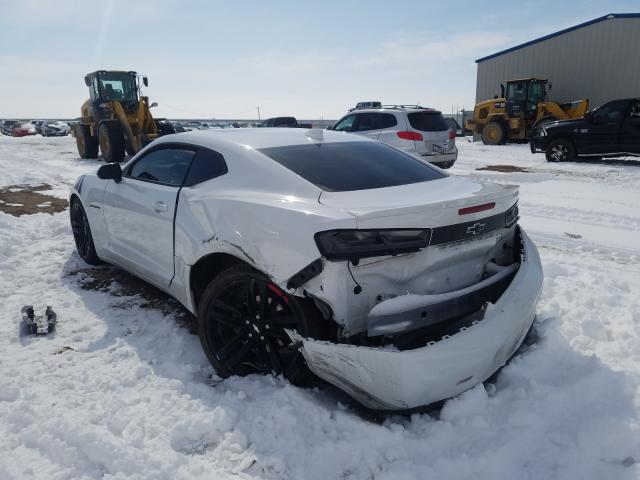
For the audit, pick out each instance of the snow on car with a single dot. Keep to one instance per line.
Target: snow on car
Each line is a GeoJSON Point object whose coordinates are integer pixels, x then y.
{"type": "Point", "coordinates": [396, 282]}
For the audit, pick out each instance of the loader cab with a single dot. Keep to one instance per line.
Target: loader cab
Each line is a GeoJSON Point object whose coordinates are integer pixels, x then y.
{"type": "Point", "coordinates": [106, 86]}
{"type": "Point", "coordinates": [522, 97]}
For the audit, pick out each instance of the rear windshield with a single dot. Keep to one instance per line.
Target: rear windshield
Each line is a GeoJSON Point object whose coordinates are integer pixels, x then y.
{"type": "Point", "coordinates": [348, 166]}
{"type": "Point", "coordinates": [284, 121]}
{"type": "Point", "coordinates": [428, 121]}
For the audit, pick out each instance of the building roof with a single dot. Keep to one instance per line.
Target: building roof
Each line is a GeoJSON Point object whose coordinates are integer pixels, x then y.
{"type": "Point", "coordinates": [561, 32]}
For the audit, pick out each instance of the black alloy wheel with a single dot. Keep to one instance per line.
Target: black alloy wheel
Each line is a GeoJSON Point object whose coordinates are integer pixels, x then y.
{"type": "Point", "coordinates": [82, 234]}
{"type": "Point", "coordinates": [242, 319]}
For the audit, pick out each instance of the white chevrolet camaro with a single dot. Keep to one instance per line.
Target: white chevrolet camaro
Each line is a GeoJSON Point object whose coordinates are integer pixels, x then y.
{"type": "Point", "coordinates": [317, 250]}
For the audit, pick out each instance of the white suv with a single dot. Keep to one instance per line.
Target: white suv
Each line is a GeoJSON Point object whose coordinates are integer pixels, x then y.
{"type": "Point", "coordinates": [422, 132]}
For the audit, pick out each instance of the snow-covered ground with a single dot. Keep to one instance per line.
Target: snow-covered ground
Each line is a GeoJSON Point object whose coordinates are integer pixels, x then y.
{"type": "Point", "coordinates": [122, 392]}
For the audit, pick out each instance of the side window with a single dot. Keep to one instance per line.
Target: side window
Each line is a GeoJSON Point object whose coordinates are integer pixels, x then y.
{"type": "Point", "coordinates": [366, 122]}
{"type": "Point", "coordinates": [611, 112]}
{"type": "Point", "coordinates": [164, 165]}
{"type": "Point", "coordinates": [206, 165]}
{"type": "Point", "coordinates": [387, 120]}
{"type": "Point", "coordinates": [635, 109]}
{"type": "Point", "coordinates": [346, 124]}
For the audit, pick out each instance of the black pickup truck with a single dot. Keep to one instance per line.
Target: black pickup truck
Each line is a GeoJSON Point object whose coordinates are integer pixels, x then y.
{"type": "Point", "coordinates": [611, 130]}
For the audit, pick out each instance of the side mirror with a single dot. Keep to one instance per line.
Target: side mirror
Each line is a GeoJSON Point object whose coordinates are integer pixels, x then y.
{"type": "Point", "coordinates": [110, 171]}
{"type": "Point", "coordinates": [145, 81]}
{"type": "Point", "coordinates": [502, 90]}
{"type": "Point", "coordinates": [87, 81]}
{"type": "Point", "coordinates": [154, 104]}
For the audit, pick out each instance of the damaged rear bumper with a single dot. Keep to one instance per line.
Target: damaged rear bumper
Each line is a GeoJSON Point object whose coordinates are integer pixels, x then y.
{"type": "Point", "coordinates": [390, 379]}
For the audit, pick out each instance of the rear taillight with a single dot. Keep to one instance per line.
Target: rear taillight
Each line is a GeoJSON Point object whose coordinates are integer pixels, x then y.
{"type": "Point", "coordinates": [452, 134]}
{"type": "Point", "coordinates": [357, 244]}
{"type": "Point", "coordinates": [406, 135]}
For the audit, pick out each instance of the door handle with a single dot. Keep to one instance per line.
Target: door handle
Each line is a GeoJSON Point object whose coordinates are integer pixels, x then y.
{"type": "Point", "coordinates": [160, 207]}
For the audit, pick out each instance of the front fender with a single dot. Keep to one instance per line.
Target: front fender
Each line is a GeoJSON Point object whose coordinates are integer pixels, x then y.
{"type": "Point", "coordinates": [89, 190]}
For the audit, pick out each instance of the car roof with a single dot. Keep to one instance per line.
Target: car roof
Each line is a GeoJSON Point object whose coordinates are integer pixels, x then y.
{"type": "Point", "coordinates": [257, 138]}
{"type": "Point", "coordinates": [393, 110]}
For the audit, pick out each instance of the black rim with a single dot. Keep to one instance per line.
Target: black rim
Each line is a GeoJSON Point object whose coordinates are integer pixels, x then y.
{"type": "Point", "coordinates": [245, 328]}
{"type": "Point", "coordinates": [81, 232]}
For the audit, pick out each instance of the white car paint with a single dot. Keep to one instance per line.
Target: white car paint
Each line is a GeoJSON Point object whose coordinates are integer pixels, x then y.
{"type": "Point", "coordinates": [266, 215]}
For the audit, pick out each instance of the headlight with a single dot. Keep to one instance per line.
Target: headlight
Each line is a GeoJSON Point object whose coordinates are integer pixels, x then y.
{"type": "Point", "coordinates": [355, 244]}
{"type": "Point", "coordinates": [542, 132]}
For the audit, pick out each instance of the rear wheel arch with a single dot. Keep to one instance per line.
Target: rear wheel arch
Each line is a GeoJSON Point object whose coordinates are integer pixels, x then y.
{"type": "Point", "coordinates": [206, 269]}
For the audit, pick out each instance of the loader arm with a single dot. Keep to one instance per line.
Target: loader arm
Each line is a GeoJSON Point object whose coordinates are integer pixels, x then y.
{"type": "Point", "coordinates": [134, 140]}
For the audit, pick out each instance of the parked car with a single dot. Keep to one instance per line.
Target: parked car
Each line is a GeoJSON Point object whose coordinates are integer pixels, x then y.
{"type": "Point", "coordinates": [286, 122]}
{"type": "Point", "coordinates": [422, 132]}
{"type": "Point", "coordinates": [611, 130]}
{"type": "Point", "coordinates": [22, 129]}
{"type": "Point", "coordinates": [365, 105]}
{"type": "Point", "coordinates": [48, 128]}
{"type": "Point", "coordinates": [295, 248]}
{"type": "Point", "coordinates": [6, 127]}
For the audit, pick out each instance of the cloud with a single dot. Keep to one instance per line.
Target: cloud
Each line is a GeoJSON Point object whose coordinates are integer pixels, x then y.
{"type": "Point", "coordinates": [426, 47]}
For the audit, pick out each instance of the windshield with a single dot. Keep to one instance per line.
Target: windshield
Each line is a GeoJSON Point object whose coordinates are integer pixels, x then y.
{"type": "Point", "coordinates": [348, 166]}
{"type": "Point", "coordinates": [118, 86]}
{"type": "Point", "coordinates": [428, 121]}
{"type": "Point", "coordinates": [516, 92]}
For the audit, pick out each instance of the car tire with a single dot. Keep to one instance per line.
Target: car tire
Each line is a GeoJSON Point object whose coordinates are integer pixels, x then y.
{"type": "Point", "coordinates": [86, 143]}
{"type": "Point", "coordinates": [241, 320]}
{"type": "Point", "coordinates": [493, 133]}
{"type": "Point", "coordinates": [82, 233]}
{"type": "Point", "coordinates": [111, 141]}
{"type": "Point", "coordinates": [560, 150]}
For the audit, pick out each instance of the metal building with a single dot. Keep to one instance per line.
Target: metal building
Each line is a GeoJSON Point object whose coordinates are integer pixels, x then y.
{"type": "Point", "coordinates": [598, 60]}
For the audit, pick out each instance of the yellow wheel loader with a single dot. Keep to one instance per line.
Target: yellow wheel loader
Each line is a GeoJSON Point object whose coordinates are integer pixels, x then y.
{"type": "Point", "coordinates": [116, 118]}
{"type": "Point", "coordinates": [522, 109]}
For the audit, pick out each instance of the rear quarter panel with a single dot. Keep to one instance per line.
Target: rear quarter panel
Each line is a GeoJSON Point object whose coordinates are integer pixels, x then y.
{"type": "Point", "coordinates": [273, 233]}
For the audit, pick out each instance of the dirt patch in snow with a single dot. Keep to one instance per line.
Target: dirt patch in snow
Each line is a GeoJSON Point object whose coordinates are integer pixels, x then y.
{"type": "Point", "coordinates": [504, 168]}
{"type": "Point", "coordinates": [18, 200]}
{"type": "Point", "coordinates": [133, 292]}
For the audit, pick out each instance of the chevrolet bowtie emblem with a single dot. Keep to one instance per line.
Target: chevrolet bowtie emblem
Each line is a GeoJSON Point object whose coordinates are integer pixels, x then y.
{"type": "Point", "coordinates": [476, 228]}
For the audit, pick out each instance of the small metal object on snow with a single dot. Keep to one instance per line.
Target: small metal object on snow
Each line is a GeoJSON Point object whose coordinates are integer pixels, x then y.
{"type": "Point", "coordinates": [38, 324]}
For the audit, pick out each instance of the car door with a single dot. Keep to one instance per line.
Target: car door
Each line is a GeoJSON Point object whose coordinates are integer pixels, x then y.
{"type": "Point", "coordinates": [367, 125]}
{"type": "Point", "coordinates": [139, 212]}
{"type": "Point", "coordinates": [630, 133]}
{"type": "Point", "coordinates": [603, 134]}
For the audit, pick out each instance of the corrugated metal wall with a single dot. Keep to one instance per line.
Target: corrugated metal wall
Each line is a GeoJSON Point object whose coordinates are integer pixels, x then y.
{"type": "Point", "coordinates": [600, 62]}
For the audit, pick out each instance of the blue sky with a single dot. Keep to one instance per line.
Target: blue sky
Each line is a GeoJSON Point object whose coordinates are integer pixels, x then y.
{"type": "Point", "coordinates": [209, 59]}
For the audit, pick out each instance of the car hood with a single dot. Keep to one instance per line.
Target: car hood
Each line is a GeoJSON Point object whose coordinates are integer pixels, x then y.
{"type": "Point", "coordinates": [573, 123]}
